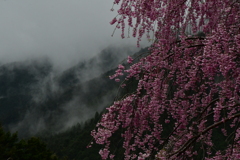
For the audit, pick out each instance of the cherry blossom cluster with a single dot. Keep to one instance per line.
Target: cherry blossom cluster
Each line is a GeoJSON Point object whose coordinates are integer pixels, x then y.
{"type": "Point", "coordinates": [187, 83]}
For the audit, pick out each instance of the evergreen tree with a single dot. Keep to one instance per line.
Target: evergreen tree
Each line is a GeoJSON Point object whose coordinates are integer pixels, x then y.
{"type": "Point", "coordinates": [31, 149]}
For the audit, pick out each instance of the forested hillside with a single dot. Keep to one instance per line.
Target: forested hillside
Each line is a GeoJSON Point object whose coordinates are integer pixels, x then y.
{"type": "Point", "coordinates": [11, 148]}
{"type": "Point", "coordinates": [60, 108]}
{"type": "Point", "coordinates": [35, 98]}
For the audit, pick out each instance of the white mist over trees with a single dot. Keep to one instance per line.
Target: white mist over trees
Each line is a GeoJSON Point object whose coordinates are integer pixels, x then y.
{"type": "Point", "coordinates": [36, 98]}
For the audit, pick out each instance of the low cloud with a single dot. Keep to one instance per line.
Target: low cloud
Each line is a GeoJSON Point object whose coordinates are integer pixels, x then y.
{"type": "Point", "coordinates": [65, 31]}
{"type": "Point", "coordinates": [62, 99]}
{"type": "Point", "coordinates": [63, 34]}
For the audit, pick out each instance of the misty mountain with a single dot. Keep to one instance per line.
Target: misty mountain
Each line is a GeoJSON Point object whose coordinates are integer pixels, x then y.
{"type": "Point", "coordinates": [36, 99]}
{"type": "Point", "coordinates": [16, 80]}
{"type": "Point", "coordinates": [106, 60]}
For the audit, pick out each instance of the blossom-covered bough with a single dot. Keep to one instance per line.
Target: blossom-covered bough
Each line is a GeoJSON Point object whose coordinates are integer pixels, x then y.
{"type": "Point", "coordinates": [187, 101]}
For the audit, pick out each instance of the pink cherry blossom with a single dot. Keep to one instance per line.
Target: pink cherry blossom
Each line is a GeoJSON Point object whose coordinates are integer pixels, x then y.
{"type": "Point", "coordinates": [188, 85]}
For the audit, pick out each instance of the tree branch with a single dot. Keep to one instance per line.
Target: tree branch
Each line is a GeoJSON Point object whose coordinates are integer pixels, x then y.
{"type": "Point", "coordinates": [191, 140]}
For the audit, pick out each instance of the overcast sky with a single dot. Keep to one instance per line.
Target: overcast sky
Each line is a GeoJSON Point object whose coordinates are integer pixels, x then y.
{"type": "Point", "coordinates": [65, 30]}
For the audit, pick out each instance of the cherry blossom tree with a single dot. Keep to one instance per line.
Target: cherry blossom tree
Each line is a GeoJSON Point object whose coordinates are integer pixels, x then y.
{"type": "Point", "coordinates": [188, 91]}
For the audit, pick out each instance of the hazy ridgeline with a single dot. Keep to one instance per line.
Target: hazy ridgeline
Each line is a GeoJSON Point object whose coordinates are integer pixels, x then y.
{"type": "Point", "coordinates": [36, 97]}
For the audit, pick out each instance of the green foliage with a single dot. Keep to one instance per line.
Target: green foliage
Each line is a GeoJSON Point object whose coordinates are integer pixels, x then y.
{"type": "Point", "coordinates": [31, 149]}
{"type": "Point", "coordinates": [72, 144]}
{"type": "Point", "coordinates": [7, 144]}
